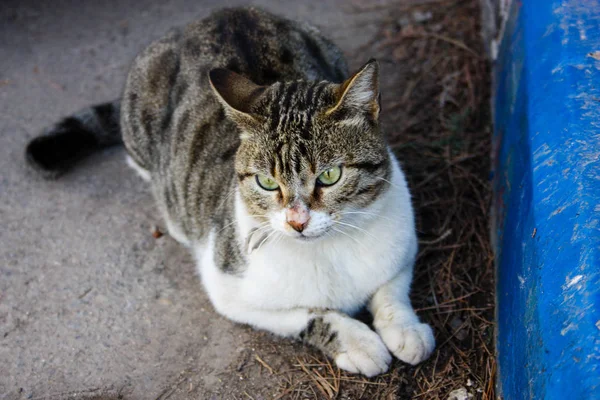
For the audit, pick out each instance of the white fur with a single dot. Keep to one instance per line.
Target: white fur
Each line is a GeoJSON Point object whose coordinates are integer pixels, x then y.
{"type": "Point", "coordinates": [339, 272]}
{"type": "Point", "coordinates": [176, 232]}
{"type": "Point", "coordinates": [144, 173]}
{"type": "Point", "coordinates": [361, 91]}
{"type": "Point", "coordinates": [319, 223]}
{"type": "Point", "coordinates": [362, 350]}
{"type": "Point", "coordinates": [287, 277]}
{"type": "Point", "coordinates": [394, 319]}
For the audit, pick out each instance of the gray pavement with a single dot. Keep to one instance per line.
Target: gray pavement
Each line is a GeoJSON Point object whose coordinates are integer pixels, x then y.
{"type": "Point", "coordinates": [91, 304]}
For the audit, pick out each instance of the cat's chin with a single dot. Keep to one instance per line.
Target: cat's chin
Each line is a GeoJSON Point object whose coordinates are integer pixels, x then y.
{"type": "Point", "coordinates": [309, 239]}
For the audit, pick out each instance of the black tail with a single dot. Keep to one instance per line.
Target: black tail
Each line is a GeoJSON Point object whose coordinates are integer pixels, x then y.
{"type": "Point", "coordinates": [74, 138]}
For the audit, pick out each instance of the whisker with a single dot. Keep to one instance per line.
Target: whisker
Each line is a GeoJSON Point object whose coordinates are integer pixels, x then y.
{"type": "Point", "coordinates": [232, 191]}
{"type": "Point", "coordinates": [253, 231]}
{"type": "Point", "coordinates": [250, 215]}
{"type": "Point", "coordinates": [265, 239]}
{"type": "Point", "coordinates": [356, 227]}
{"type": "Point", "coordinates": [259, 227]}
{"type": "Point", "coordinates": [279, 237]}
{"type": "Point", "coordinates": [385, 180]}
{"type": "Point", "coordinates": [366, 213]}
{"type": "Point", "coordinates": [351, 237]}
{"type": "Point", "coordinates": [229, 224]}
{"type": "Point", "coordinates": [263, 223]}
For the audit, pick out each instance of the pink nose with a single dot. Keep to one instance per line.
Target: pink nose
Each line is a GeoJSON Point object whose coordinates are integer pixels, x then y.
{"type": "Point", "coordinates": [297, 216]}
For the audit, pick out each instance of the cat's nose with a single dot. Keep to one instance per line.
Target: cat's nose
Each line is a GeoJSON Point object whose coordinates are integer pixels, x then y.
{"type": "Point", "coordinates": [297, 226]}
{"type": "Point", "coordinates": [297, 216]}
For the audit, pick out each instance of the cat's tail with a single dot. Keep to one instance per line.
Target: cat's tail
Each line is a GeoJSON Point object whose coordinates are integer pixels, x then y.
{"type": "Point", "coordinates": [75, 137]}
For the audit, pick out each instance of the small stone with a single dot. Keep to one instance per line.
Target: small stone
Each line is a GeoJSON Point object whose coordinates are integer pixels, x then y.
{"type": "Point", "coordinates": [403, 21]}
{"type": "Point", "coordinates": [419, 16]}
{"type": "Point", "coordinates": [457, 326]}
{"type": "Point", "coordinates": [460, 394]}
{"type": "Point", "coordinates": [165, 301]}
{"type": "Point", "coordinates": [156, 233]}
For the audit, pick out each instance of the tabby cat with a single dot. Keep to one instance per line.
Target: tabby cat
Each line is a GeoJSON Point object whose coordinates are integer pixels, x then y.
{"type": "Point", "coordinates": [273, 170]}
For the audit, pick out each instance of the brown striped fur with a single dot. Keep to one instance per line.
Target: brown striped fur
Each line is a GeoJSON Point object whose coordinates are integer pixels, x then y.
{"type": "Point", "coordinates": [278, 106]}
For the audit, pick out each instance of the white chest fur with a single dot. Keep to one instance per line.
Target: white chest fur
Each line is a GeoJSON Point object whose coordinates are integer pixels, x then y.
{"type": "Point", "coordinates": [338, 272]}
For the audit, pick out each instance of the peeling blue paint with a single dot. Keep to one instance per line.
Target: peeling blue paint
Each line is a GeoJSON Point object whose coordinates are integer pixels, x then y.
{"type": "Point", "coordinates": [547, 200]}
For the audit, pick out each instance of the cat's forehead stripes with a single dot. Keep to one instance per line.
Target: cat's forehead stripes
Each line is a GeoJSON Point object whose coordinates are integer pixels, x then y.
{"type": "Point", "coordinates": [291, 162]}
{"type": "Point", "coordinates": [289, 110]}
{"type": "Point", "coordinates": [292, 106]}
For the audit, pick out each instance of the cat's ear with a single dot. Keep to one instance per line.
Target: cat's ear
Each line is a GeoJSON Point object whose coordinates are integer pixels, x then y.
{"type": "Point", "coordinates": [360, 92]}
{"type": "Point", "coordinates": [236, 93]}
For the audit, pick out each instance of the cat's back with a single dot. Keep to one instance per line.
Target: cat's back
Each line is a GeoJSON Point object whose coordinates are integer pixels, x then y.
{"type": "Point", "coordinates": [250, 41]}
{"type": "Point", "coordinates": [263, 46]}
{"type": "Point", "coordinates": [168, 86]}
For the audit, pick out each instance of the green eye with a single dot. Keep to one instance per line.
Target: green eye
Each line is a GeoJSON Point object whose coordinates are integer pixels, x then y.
{"type": "Point", "coordinates": [266, 183]}
{"type": "Point", "coordinates": [330, 177]}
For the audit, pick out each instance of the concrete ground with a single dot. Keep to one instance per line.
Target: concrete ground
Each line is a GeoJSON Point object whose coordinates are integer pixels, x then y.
{"type": "Point", "coordinates": [91, 304]}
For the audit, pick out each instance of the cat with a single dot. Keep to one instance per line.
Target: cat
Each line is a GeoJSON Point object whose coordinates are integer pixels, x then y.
{"type": "Point", "coordinates": [271, 167]}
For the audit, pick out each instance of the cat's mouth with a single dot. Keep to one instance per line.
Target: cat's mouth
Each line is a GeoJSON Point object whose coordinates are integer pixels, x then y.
{"type": "Point", "coordinates": [305, 238]}
{"type": "Point", "coordinates": [309, 238]}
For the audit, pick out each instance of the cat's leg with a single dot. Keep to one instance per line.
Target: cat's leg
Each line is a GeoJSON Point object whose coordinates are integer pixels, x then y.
{"type": "Point", "coordinates": [350, 343]}
{"type": "Point", "coordinates": [142, 172]}
{"type": "Point", "coordinates": [396, 322]}
{"type": "Point", "coordinates": [176, 232]}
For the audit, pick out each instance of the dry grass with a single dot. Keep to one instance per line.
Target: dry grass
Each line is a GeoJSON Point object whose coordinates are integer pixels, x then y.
{"type": "Point", "coordinates": [435, 87]}
{"type": "Point", "coordinates": [436, 114]}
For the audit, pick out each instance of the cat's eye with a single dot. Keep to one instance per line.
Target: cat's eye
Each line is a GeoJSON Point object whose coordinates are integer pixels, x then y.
{"type": "Point", "coordinates": [330, 177]}
{"type": "Point", "coordinates": [266, 182]}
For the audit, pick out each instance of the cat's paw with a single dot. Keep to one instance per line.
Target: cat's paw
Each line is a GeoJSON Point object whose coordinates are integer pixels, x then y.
{"type": "Point", "coordinates": [411, 343]}
{"type": "Point", "coordinates": [361, 351]}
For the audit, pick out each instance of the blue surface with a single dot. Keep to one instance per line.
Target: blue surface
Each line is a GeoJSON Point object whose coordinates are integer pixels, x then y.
{"type": "Point", "coordinates": [547, 200]}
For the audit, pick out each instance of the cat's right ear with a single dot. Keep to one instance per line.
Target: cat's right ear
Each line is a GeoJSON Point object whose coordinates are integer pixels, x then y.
{"type": "Point", "coordinates": [360, 93]}
{"type": "Point", "coordinates": [236, 93]}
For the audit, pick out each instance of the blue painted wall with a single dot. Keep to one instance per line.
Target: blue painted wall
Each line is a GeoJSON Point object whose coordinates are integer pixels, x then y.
{"type": "Point", "coordinates": [547, 200]}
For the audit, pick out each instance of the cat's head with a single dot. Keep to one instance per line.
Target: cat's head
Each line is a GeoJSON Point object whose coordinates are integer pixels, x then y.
{"type": "Point", "coordinates": [312, 157]}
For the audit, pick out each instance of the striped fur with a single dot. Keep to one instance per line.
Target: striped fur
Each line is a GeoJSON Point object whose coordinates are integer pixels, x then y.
{"type": "Point", "coordinates": [242, 93]}
{"type": "Point", "coordinates": [73, 138]}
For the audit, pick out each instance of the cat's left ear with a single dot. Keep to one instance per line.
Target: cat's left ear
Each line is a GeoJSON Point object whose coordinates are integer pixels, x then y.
{"type": "Point", "coordinates": [236, 93]}
{"type": "Point", "coordinates": [360, 93]}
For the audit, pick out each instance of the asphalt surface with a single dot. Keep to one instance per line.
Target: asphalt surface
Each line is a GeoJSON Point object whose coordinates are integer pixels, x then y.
{"type": "Point", "coordinates": [91, 304]}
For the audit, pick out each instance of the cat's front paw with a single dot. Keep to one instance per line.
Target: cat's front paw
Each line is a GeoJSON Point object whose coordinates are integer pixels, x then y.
{"type": "Point", "coordinates": [361, 351]}
{"type": "Point", "coordinates": [411, 343]}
